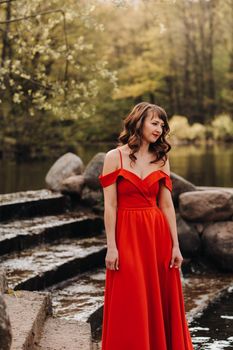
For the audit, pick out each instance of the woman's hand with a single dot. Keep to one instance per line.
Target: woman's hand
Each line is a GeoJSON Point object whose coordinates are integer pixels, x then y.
{"type": "Point", "coordinates": [112, 259]}
{"type": "Point", "coordinates": [177, 258]}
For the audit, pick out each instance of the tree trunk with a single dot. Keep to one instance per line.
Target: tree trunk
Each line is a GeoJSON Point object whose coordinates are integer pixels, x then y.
{"type": "Point", "coordinates": [172, 78]}
{"type": "Point", "coordinates": [6, 47]}
{"type": "Point", "coordinates": [209, 59]}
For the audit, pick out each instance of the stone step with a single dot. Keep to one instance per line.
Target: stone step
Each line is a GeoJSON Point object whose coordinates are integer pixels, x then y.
{"type": "Point", "coordinates": [32, 203]}
{"type": "Point", "coordinates": [36, 269]}
{"type": "Point", "coordinates": [60, 334]}
{"type": "Point", "coordinates": [27, 312]}
{"type": "Point", "coordinates": [22, 234]}
{"type": "Point", "coordinates": [80, 297]}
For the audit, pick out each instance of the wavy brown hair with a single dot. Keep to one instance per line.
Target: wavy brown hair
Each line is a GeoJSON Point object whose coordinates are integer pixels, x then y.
{"type": "Point", "coordinates": [132, 132]}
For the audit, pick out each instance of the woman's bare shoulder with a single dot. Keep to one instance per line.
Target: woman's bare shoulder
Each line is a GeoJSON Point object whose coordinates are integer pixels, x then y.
{"type": "Point", "coordinates": [111, 160]}
{"type": "Point", "coordinates": [166, 167]}
{"type": "Point", "coordinates": [112, 154]}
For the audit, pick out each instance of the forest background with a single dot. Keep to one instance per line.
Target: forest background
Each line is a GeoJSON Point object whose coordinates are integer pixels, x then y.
{"type": "Point", "coordinates": [70, 71]}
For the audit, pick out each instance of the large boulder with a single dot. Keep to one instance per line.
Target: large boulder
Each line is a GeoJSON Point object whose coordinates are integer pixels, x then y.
{"type": "Point", "coordinates": [218, 243]}
{"type": "Point", "coordinates": [67, 165]}
{"type": "Point", "coordinates": [180, 185]}
{"type": "Point", "coordinates": [93, 170]}
{"type": "Point", "coordinates": [209, 205]}
{"type": "Point", "coordinates": [189, 239]}
{"type": "Point", "coordinates": [92, 197]}
{"type": "Point", "coordinates": [5, 326]}
{"type": "Point", "coordinates": [73, 184]}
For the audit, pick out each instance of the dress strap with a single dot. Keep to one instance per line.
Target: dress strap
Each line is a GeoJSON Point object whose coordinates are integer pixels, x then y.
{"type": "Point", "coordinates": [121, 158]}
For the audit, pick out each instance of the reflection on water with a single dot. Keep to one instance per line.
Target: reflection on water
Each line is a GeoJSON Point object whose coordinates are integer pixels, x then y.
{"type": "Point", "coordinates": [203, 165]}
{"type": "Point", "coordinates": [214, 329]}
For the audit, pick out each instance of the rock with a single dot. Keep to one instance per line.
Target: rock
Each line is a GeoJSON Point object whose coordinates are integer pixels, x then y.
{"type": "Point", "coordinates": [91, 197]}
{"type": "Point", "coordinates": [93, 170]}
{"type": "Point", "coordinates": [210, 205]}
{"type": "Point", "coordinates": [218, 243]}
{"type": "Point", "coordinates": [3, 281]}
{"type": "Point", "coordinates": [67, 165]}
{"type": "Point", "coordinates": [73, 184]}
{"type": "Point", "coordinates": [180, 185]}
{"type": "Point", "coordinates": [199, 227]}
{"type": "Point", "coordinates": [189, 240]}
{"type": "Point", "coordinates": [5, 326]}
{"type": "Point", "coordinates": [27, 311]}
{"type": "Point", "coordinates": [204, 188]}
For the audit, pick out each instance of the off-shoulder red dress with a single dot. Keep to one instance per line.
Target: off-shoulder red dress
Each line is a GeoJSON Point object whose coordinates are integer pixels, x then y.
{"type": "Point", "coordinates": [143, 301]}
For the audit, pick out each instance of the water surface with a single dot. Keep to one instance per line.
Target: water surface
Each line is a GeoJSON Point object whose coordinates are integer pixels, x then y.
{"type": "Point", "coordinates": [203, 165]}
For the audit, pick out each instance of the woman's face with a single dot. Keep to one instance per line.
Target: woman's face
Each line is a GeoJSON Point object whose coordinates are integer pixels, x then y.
{"type": "Point", "coordinates": [152, 127]}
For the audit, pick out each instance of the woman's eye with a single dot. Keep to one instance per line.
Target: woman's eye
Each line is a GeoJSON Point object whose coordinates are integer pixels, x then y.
{"type": "Point", "coordinates": [157, 124]}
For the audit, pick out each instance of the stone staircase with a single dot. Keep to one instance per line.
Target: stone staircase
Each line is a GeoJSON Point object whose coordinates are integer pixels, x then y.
{"type": "Point", "coordinates": [53, 254]}
{"type": "Point", "coordinates": [44, 242]}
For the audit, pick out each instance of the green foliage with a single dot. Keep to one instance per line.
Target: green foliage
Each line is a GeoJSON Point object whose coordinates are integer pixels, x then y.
{"type": "Point", "coordinates": [73, 72]}
{"type": "Point", "coordinates": [222, 127]}
{"type": "Point", "coordinates": [181, 130]}
{"type": "Point", "coordinates": [197, 132]}
{"type": "Point", "coordinates": [46, 73]}
{"type": "Point", "coordinates": [179, 127]}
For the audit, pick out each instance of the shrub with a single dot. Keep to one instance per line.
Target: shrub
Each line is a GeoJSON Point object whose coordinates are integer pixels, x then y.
{"type": "Point", "coordinates": [179, 127]}
{"type": "Point", "coordinates": [222, 128]}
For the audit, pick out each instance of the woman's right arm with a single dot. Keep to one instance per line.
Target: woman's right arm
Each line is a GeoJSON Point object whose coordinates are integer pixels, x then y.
{"type": "Point", "coordinates": [110, 210]}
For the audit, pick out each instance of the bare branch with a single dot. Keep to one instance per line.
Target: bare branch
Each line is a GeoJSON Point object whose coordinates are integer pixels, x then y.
{"type": "Point", "coordinates": [6, 1]}
{"type": "Point", "coordinates": [33, 81]}
{"type": "Point", "coordinates": [33, 16]}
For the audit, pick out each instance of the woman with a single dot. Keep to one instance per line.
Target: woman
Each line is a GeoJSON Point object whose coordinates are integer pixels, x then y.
{"type": "Point", "coordinates": [143, 303]}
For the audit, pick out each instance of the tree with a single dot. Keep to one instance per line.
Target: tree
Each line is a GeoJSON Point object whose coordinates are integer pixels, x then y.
{"type": "Point", "coordinates": [50, 67]}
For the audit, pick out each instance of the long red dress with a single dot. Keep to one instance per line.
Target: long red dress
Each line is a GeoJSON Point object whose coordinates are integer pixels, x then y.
{"type": "Point", "coordinates": [143, 301]}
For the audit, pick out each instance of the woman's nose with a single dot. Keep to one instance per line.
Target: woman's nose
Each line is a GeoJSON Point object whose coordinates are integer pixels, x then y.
{"type": "Point", "coordinates": [159, 129]}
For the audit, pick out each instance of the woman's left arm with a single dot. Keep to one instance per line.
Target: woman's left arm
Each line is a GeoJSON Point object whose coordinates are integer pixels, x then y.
{"type": "Point", "coordinates": [165, 203]}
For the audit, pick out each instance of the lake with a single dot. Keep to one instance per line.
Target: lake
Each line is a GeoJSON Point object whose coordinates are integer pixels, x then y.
{"type": "Point", "coordinates": [204, 165]}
